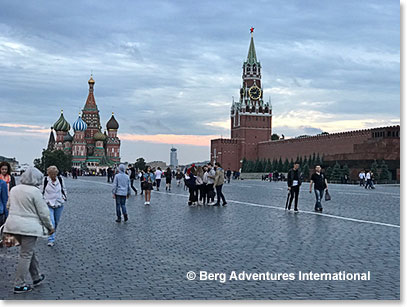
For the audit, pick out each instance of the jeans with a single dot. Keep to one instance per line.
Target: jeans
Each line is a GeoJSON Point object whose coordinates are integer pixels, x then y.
{"type": "Point", "coordinates": [295, 190]}
{"type": "Point", "coordinates": [220, 194]}
{"type": "Point", "coordinates": [318, 196]}
{"type": "Point", "coordinates": [27, 261]}
{"type": "Point", "coordinates": [120, 203]}
{"type": "Point", "coordinates": [158, 181]}
{"type": "Point", "coordinates": [55, 215]}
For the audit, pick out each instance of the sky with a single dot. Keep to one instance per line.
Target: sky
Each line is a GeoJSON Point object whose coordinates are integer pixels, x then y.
{"type": "Point", "coordinates": [169, 69]}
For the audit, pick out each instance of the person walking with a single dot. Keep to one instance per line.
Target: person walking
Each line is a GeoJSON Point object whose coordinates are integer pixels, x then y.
{"type": "Point", "coordinates": [320, 183]}
{"type": "Point", "coordinates": [109, 175]}
{"type": "Point", "coordinates": [368, 177]}
{"type": "Point", "coordinates": [219, 181]}
{"type": "Point", "coordinates": [5, 175]}
{"type": "Point", "coordinates": [28, 219]}
{"type": "Point", "coordinates": [168, 178]}
{"type": "Point", "coordinates": [54, 193]}
{"type": "Point", "coordinates": [132, 177]}
{"type": "Point", "coordinates": [121, 191]}
{"type": "Point", "coordinates": [148, 179]}
{"type": "Point", "coordinates": [158, 174]}
{"type": "Point", "coordinates": [141, 178]}
{"type": "Point", "coordinates": [294, 179]}
{"type": "Point", "coordinates": [3, 202]}
{"type": "Point", "coordinates": [228, 174]}
{"type": "Point", "coordinates": [179, 176]}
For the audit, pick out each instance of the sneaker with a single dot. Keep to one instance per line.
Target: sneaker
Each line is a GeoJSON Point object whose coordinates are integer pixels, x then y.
{"type": "Point", "coordinates": [145, 203]}
{"type": "Point", "coordinates": [148, 203]}
{"type": "Point", "coordinates": [126, 218]}
{"type": "Point", "coordinates": [38, 281]}
{"type": "Point", "coordinates": [51, 244]}
{"type": "Point", "coordinates": [22, 289]}
{"type": "Point", "coordinates": [224, 204]}
{"type": "Point", "coordinates": [296, 210]}
{"type": "Point", "coordinates": [118, 220]}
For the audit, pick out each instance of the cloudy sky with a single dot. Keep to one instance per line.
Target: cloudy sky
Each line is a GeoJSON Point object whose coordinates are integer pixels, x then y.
{"type": "Point", "coordinates": [169, 69]}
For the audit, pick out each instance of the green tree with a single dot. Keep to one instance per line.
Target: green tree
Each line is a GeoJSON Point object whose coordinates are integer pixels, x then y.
{"type": "Point", "coordinates": [274, 165]}
{"type": "Point", "coordinates": [305, 171]}
{"type": "Point", "coordinates": [345, 170]}
{"type": "Point", "coordinates": [291, 165]}
{"type": "Point", "coordinates": [140, 164]}
{"type": "Point", "coordinates": [275, 137]}
{"type": "Point", "coordinates": [280, 165]}
{"type": "Point", "coordinates": [328, 173]}
{"type": "Point", "coordinates": [58, 158]}
{"type": "Point", "coordinates": [336, 172]}
{"type": "Point", "coordinates": [244, 165]}
{"type": "Point", "coordinates": [374, 167]}
{"type": "Point", "coordinates": [286, 165]}
{"type": "Point", "coordinates": [305, 162]}
{"type": "Point", "coordinates": [313, 160]}
{"type": "Point", "coordinates": [317, 160]}
{"type": "Point", "coordinates": [385, 174]}
{"type": "Point", "coordinates": [268, 167]}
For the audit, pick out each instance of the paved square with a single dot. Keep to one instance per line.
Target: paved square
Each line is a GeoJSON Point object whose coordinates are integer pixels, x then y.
{"type": "Point", "coordinates": [149, 256]}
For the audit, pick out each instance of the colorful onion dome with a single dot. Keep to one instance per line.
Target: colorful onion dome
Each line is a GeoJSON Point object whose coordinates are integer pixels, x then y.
{"type": "Point", "coordinates": [99, 136]}
{"type": "Point", "coordinates": [68, 137]}
{"type": "Point", "coordinates": [61, 124]}
{"type": "Point", "coordinates": [79, 124]}
{"type": "Point", "coordinates": [112, 124]}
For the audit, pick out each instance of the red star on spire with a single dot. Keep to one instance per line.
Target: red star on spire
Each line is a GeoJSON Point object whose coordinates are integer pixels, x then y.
{"type": "Point", "coordinates": [251, 30]}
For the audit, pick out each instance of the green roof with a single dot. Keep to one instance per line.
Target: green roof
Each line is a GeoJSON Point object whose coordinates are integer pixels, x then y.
{"type": "Point", "coordinates": [251, 56]}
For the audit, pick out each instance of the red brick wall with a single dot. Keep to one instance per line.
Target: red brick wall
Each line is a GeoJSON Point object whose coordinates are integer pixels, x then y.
{"type": "Point", "coordinates": [227, 153]}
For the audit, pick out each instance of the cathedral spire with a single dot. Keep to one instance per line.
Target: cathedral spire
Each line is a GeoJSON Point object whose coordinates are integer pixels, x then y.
{"type": "Point", "coordinates": [251, 56]}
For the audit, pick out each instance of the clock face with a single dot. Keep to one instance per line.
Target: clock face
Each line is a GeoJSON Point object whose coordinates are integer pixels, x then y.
{"type": "Point", "coordinates": [254, 92]}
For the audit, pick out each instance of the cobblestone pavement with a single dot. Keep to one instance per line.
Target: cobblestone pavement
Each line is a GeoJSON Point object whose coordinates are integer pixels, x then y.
{"type": "Point", "coordinates": [149, 256]}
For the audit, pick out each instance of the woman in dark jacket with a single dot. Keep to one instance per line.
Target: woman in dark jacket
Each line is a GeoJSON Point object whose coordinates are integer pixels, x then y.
{"type": "Point", "coordinates": [5, 175]}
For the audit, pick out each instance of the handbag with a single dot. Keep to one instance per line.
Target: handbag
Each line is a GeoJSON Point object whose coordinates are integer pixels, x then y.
{"type": "Point", "coordinates": [7, 239]}
{"type": "Point", "coordinates": [327, 196]}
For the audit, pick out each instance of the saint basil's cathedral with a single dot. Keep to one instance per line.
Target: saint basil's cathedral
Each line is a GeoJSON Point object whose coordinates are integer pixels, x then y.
{"type": "Point", "coordinates": [89, 147]}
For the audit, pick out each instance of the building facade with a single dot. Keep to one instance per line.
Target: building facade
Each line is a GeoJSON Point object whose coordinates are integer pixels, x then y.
{"type": "Point", "coordinates": [251, 130]}
{"type": "Point", "coordinates": [90, 148]}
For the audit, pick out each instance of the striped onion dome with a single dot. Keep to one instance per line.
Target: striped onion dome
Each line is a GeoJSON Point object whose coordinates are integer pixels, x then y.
{"type": "Point", "coordinates": [61, 124]}
{"type": "Point", "coordinates": [99, 136]}
{"type": "Point", "coordinates": [79, 124]}
{"type": "Point", "coordinates": [68, 137]}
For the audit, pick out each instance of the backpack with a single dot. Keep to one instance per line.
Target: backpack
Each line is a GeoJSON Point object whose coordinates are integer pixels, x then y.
{"type": "Point", "coordinates": [60, 182]}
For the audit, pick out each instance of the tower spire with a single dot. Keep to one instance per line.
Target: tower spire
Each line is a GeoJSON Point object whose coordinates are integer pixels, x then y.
{"type": "Point", "coordinates": [251, 56]}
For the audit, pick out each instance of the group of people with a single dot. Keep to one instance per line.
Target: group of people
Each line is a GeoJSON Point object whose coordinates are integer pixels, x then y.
{"type": "Point", "coordinates": [366, 179]}
{"type": "Point", "coordinates": [273, 176]}
{"type": "Point", "coordinates": [202, 181]}
{"type": "Point", "coordinates": [30, 210]}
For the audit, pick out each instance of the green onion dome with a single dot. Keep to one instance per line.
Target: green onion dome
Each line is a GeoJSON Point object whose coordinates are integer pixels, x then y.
{"type": "Point", "coordinates": [61, 124]}
{"type": "Point", "coordinates": [99, 136]}
{"type": "Point", "coordinates": [68, 137]}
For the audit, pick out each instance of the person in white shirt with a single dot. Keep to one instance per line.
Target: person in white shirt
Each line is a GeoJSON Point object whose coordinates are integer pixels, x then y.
{"type": "Point", "coordinates": [158, 174]}
{"type": "Point", "coordinates": [361, 178]}
{"type": "Point", "coordinates": [54, 193]}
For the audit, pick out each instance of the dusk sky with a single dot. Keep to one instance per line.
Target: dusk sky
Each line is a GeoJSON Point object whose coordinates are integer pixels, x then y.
{"type": "Point", "coordinates": [169, 69]}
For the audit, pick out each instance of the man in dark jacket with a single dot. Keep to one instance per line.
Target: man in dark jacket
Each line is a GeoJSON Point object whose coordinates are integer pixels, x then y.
{"type": "Point", "coordinates": [132, 177]}
{"type": "Point", "coordinates": [294, 180]}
